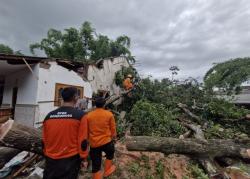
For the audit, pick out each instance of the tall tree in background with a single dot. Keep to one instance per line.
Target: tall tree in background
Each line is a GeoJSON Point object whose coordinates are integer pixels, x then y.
{"type": "Point", "coordinates": [82, 44]}
{"type": "Point", "coordinates": [7, 50]}
{"type": "Point", "coordinates": [174, 70]}
{"type": "Point", "coordinates": [87, 39]}
{"type": "Point", "coordinates": [120, 46]}
{"type": "Point", "coordinates": [101, 48]}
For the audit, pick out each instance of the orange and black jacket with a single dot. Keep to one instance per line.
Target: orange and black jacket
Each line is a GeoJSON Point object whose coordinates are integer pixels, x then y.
{"type": "Point", "coordinates": [127, 84]}
{"type": "Point", "coordinates": [101, 126]}
{"type": "Point", "coordinates": [65, 133]}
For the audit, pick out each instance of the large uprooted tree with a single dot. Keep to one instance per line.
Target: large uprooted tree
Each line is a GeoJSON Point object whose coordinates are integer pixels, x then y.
{"type": "Point", "coordinates": [188, 109]}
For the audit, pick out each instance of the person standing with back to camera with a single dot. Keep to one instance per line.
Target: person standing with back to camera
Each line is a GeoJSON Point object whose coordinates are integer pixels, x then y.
{"type": "Point", "coordinates": [65, 139]}
{"type": "Point", "coordinates": [102, 134]}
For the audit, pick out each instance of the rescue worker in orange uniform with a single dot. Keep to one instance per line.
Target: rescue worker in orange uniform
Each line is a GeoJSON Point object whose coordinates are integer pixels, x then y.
{"type": "Point", "coordinates": [65, 139]}
{"type": "Point", "coordinates": [102, 133]}
{"type": "Point", "coordinates": [127, 83]}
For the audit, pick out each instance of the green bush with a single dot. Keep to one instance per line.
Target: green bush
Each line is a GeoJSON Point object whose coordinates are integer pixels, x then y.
{"type": "Point", "coordinates": [217, 131]}
{"type": "Point", "coordinates": [154, 120]}
{"type": "Point", "coordinates": [220, 108]}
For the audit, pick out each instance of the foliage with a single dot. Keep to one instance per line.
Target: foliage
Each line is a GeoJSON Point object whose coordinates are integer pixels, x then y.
{"type": "Point", "coordinates": [7, 50]}
{"type": "Point", "coordinates": [153, 111]}
{"type": "Point", "coordinates": [134, 168]}
{"type": "Point", "coordinates": [154, 120]}
{"type": "Point", "coordinates": [169, 93]}
{"type": "Point", "coordinates": [220, 108]}
{"type": "Point", "coordinates": [121, 74]}
{"type": "Point", "coordinates": [244, 168]}
{"type": "Point", "coordinates": [228, 75]}
{"type": "Point", "coordinates": [217, 131]}
{"type": "Point", "coordinates": [160, 169]}
{"type": "Point", "coordinates": [82, 44]}
{"type": "Point", "coordinates": [197, 172]}
{"type": "Point", "coordinates": [148, 168]}
{"type": "Point", "coordinates": [121, 126]}
{"type": "Point", "coordinates": [153, 100]}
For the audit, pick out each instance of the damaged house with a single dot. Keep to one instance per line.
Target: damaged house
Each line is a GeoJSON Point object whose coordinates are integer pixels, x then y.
{"type": "Point", "coordinates": [30, 86]}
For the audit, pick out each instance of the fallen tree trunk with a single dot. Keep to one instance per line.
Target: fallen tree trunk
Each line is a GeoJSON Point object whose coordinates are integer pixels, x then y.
{"type": "Point", "coordinates": [29, 139]}
{"type": "Point", "coordinates": [210, 165]}
{"type": "Point", "coordinates": [193, 147]}
{"type": "Point", "coordinates": [6, 153]}
{"type": "Point", "coordinates": [20, 137]}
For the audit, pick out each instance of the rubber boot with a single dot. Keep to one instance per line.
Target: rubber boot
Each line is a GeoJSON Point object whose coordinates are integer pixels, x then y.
{"type": "Point", "coordinates": [97, 175]}
{"type": "Point", "coordinates": [109, 168]}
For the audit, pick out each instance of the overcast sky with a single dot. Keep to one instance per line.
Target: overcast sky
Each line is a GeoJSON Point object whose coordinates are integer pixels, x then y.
{"type": "Point", "coordinates": [192, 34]}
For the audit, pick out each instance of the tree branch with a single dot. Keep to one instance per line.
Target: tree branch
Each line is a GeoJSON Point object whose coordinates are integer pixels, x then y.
{"type": "Point", "coordinates": [189, 113]}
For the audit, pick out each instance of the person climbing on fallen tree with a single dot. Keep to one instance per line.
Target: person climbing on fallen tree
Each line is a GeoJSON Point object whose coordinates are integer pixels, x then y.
{"type": "Point", "coordinates": [127, 83]}
{"type": "Point", "coordinates": [102, 135]}
{"type": "Point", "coordinates": [65, 139]}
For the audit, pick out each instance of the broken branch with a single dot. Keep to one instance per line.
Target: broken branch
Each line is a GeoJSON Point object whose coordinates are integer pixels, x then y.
{"type": "Point", "coordinates": [189, 113]}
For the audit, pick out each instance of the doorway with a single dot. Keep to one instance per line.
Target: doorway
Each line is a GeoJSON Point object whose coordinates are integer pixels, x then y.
{"type": "Point", "coordinates": [14, 99]}
{"type": "Point", "coordinates": [1, 91]}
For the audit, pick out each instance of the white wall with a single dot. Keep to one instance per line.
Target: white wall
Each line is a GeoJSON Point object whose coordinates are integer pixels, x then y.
{"type": "Point", "coordinates": [46, 86]}
{"type": "Point", "coordinates": [32, 93]}
{"type": "Point", "coordinates": [27, 86]}
{"type": "Point", "coordinates": [104, 78]}
{"type": "Point", "coordinates": [26, 114]}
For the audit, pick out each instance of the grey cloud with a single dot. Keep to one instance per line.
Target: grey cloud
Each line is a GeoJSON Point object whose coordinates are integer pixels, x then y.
{"type": "Point", "coordinates": [189, 33]}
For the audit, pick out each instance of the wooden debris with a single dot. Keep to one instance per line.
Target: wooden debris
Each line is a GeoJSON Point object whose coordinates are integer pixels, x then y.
{"type": "Point", "coordinates": [189, 113]}
{"type": "Point", "coordinates": [25, 165]}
